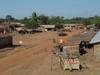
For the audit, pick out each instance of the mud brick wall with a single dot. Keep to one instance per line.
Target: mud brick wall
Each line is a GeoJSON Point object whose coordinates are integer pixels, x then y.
{"type": "Point", "coordinates": [6, 41]}
{"type": "Point", "coordinates": [97, 52]}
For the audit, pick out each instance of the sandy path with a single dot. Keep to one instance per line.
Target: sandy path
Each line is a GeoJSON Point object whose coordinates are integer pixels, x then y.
{"type": "Point", "coordinates": [27, 57]}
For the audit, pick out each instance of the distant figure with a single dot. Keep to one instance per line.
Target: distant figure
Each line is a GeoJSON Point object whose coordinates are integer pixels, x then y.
{"type": "Point", "coordinates": [61, 41]}
{"type": "Point", "coordinates": [20, 42]}
{"type": "Point", "coordinates": [61, 45]}
{"type": "Point", "coordinates": [61, 48]}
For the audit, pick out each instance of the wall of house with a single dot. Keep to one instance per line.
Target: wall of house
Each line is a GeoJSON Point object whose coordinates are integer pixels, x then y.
{"type": "Point", "coordinates": [6, 41]}
{"type": "Point", "coordinates": [72, 49]}
{"type": "Point", "coordinates": [97, 52]}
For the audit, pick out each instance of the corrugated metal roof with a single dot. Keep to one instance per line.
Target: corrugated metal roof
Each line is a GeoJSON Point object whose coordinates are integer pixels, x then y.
{"type": "Point", "coordinates": [96, 38]}
{"type": "Point", "coordinates": [48, 26]}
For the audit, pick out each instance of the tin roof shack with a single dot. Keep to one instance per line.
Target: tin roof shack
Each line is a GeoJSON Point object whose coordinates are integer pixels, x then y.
{"type": "Point", "coordinates": [16, 26]}
{"type": "Point", "coordinates": [68, 56]}
{"type": "Point", "coordinates": [91, 27]}
{"type": "Point", "coordinates": [96, 42]}
{"type": "Point", "coordinates": [73, 26]}
{"type": "Point", "coordinates": [5, 39]}
{"type": "Point", "coordinates": [47, 27]}
{"type": "Point", "coordinates": [72, 47]}
{"type": "Point", "coordinates": [73, 42]}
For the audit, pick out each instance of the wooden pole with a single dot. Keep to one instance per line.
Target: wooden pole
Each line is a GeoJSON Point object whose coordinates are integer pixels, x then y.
{"type": "Point", "coordinates": [51, 61]}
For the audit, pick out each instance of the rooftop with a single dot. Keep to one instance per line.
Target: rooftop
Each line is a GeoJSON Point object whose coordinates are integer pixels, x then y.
{"type": "Point", "coordinates": [77, 38]}
{"type": "Point", "coordinates": [48, 26]}
{"type": "Point", "coordinates": [96, 38]}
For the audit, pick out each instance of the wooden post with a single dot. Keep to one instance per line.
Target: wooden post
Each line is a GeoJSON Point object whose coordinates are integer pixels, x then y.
{"type": "Point", "coordinates": [51, 61]}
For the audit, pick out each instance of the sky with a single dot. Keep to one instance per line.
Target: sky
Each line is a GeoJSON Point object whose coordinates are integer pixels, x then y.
{"type": "Point", "coordinates": [66, 8]}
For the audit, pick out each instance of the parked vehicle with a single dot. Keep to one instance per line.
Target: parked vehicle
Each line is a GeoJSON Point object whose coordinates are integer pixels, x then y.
{"type": "Point", "coordinates": [62, 34]}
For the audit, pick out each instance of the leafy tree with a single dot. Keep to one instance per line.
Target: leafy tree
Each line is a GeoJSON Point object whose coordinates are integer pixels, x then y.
{"type": "Point", "coordinates": [31, 22]}
{"type": "Point", "coordinates": [57, 20]}
{"type": "Point", "coordinates": [2, 20]}
{"type": "Point", "coordinates": [97, 25]}
{"type": "Point", "coordinates": [34, 20]}
{"type": "Point", "coordinates": [43, 20]}
{"type": "Point", "coordinates": [9, 18]}
{"type": "Point", "coordinates": [86, 22]}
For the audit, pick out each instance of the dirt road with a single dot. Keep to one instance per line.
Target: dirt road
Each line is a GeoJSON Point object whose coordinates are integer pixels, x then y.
{"type": "Point", "coordinates": [30, 59]}
{"type": "Point", "coordinates": [35, 58]}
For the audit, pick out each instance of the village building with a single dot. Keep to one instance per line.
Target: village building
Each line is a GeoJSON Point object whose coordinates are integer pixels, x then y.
{"type": "Point", "coordinates": [14, 26]}
{"type": "Point", "coordinates": [73, 26]}
{"type": "Point", "coordinates": [96, 43]}
{"type": "Point", "coordinates": [72, 43]}
{"type": "Point", "coordinates": [47, 27]}
{"type": "Point", "coordinates": [5, 39]}
{"type": "Point", "coordinates": [17, 26]}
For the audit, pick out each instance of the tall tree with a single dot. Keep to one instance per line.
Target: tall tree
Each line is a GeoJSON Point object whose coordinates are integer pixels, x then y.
{"type": "Point", "coordinates": [31, 22]}
{"type": "Point", "coordinates": [9, 18]}
{"type": "Point", "coordinates": [34, 20]}
{"type": "Point", "coordinates": [2, 20]}
{"type": "Point", "coordinates": [86, 22]}
{"type": "Point", "coordinates": [43, 20]}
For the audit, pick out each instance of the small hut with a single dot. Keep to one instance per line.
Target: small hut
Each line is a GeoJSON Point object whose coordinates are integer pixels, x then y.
{"type": "Point", "coordinates": [47, 27]}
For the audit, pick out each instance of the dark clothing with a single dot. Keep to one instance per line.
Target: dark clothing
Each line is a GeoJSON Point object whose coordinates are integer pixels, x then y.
{"type": "Point", "coordinates": [81, 47]}
{"type": "Point", "coordinates": [82, 51]}
{"type": "Point", "coordinates": [61, 48]}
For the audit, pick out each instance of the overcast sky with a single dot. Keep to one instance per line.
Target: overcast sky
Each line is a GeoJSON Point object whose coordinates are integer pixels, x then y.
{"type": "Point", "coordinates": [66, 8]}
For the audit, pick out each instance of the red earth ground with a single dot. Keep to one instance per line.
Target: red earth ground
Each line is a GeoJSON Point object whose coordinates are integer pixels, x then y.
{"type": "Point", "coordinates": [34, 58]}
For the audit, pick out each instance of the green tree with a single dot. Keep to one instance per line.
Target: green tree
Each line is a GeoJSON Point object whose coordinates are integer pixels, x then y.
{"type": "Point", "coordinates": [34, 20]}
{"type": "Point", "coordinates": [57, 20]}
{"type": "Point", "coordinates": [43, 20]}
{"type": "Point", "coordinates": [97, 25]}
{"type": "Point", "coordinates": [2, 20]}
{"type": "Point", "coordinates": [9, 18]}
{"type": "Point", "coordinates": [86, 22]}
{"type": "Point", "coordinates": [31, 22]}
